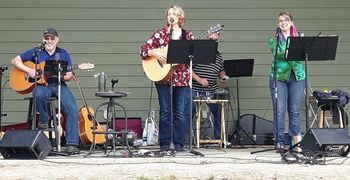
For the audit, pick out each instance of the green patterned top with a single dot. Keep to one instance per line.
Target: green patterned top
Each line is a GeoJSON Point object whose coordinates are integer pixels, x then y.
{"type": "Point", "coordinates": [284, 68]}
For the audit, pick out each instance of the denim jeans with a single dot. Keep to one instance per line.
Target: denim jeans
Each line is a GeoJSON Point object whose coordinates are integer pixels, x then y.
{"type": "Point", "coordinates": [180, 121]}
{"type": "Point", "coordinates": [288, 95]}
{"type": "Point", "coordinates": [68, 106]}
{"type": "Point", "coordinates": [214, 109]}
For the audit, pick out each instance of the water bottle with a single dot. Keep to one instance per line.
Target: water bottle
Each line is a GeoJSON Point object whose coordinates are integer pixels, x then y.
{"type": "Point", "coordinates": [102, 82]}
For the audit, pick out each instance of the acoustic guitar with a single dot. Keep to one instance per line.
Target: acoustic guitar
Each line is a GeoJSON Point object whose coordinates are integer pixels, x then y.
{"type": "Point", "coordinates": [86, 122]}
{"type": "Point", "coordinates": [159, 72]}
{"type": "Point", "coordinates": [22, 83]}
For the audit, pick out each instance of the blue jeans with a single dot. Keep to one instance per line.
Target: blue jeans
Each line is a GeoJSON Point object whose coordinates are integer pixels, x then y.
{"type": "Point", "coordinates": [180, 121]}
{"type": "Point", "coordinates": [68, 106]}
{"type": "Point", "coordinates": [288, 94]}
{"type": "Point", "coordinates": [214, 108]}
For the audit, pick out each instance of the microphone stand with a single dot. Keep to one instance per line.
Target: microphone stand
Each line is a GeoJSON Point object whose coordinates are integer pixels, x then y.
{"type": "Point", "coordinates": [60, 69]}
{"type": "Point", "coordinates": [36, 55]}
{"type": "Point", "coordinates": [275, 93]}
{"type": "Point", "coordinates": [171, 145]}
{"type": "Point", "coordinates": [2, 69]}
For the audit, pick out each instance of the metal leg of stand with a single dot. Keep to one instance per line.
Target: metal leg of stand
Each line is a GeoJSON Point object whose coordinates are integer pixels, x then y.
{"type": "Point", "coordinates": [53, 121]}
{"type": "Point", "coordinates": [223, 132]}
{"type": "Point", "coordinates": [198, 122]}
{"type": "Point", "coordinates": [111, 116]}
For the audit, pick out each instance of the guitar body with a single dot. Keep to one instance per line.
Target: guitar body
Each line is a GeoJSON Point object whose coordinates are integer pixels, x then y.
{"type": "Point", "coordinates": [60, 126]}
{"type": "Point", "coordinates": [21, 82]}
{"type": "Point", "coordinates": [160, 73]}
{"type": "Point", "coordinates": [86, 127]}
{"type": "Point", "coordinates": [155, 70]}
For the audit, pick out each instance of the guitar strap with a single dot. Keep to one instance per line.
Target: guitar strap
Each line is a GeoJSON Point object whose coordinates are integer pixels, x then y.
{"type": "Point", "coordinates": [183, 34]}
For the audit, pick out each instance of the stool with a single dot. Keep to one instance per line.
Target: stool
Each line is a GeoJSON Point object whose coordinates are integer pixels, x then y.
{"type": "Point", "coordinates": [53, 124]}
{"type": "Point", "coordinates": [110, 116]}
{"type": "Point", "coordinates": [222, 102]}
{"type": "Point", "coordinates": [328, 104]}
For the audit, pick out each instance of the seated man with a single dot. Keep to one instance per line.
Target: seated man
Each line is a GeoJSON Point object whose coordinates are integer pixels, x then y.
{"type": "Point", "coordinates": [49, 51]}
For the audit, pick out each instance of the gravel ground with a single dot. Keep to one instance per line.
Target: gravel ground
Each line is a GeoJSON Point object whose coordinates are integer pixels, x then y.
{"type": "Point", "coordinates": [230, 163]}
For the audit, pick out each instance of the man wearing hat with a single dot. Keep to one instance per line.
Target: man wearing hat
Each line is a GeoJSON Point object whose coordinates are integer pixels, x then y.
{"type": "Point", "coordinates": [48, 50]}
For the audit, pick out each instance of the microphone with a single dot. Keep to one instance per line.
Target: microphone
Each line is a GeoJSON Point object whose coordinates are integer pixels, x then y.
{"type": "Point", "coordinates": [278, 31]}
{"type": "Point", "coordinates": [171, 28]}
{"type": "Point", "coordinates": [43, 43]}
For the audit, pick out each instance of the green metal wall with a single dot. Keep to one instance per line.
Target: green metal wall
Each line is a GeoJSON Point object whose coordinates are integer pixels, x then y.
{"type": "Point", "coordinates": [109, 33]}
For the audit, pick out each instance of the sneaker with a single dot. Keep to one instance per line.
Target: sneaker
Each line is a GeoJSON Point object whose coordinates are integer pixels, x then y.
{"type": "Point", "coordinates": [179, 147]}
{"type": "Point", "coordinates": [281, 149]}
{"type": "Point", "coordinates": [164, 148]}
{"type": "Point", "coordinates": [71, 150]}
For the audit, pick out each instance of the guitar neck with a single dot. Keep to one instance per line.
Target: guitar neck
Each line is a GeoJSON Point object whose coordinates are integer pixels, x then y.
{"type": "Point", "coordinates": [72, 67]}
{"type": "Point", "coordinates": [204, 35]}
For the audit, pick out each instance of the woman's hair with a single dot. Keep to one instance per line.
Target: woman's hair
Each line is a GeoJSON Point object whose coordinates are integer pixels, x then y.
{"type": "Point", "coordinates": [293, 31]}
{"type": "Point", "coordinates": [288, 15]}
{"type": "Point", "coordinates": [179, 12]}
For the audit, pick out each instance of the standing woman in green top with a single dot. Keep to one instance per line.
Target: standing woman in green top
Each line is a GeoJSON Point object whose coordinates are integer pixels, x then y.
{"type": "Point", "coordinates": [290, 83]}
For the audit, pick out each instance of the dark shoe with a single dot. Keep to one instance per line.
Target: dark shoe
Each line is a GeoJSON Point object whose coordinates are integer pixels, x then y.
{"type": "Point", "coordinates": [281, 149]}
{"type": "Point", "coordinates": [71, 149]}
{"type": "Point", "coordinates": [179, 147]}
{"type": "Point", "coordinates": [43, 126]}
{"type": "Point", "coordinates": [164, 147]}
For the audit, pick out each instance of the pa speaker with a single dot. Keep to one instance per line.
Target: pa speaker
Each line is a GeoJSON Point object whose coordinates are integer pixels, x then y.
{"type": "Point", "coordinates": [253, 130]}
{"type": "Point", "coordinates": [332, 141]}
{"type": "Point", "coordinates": [25, 144]}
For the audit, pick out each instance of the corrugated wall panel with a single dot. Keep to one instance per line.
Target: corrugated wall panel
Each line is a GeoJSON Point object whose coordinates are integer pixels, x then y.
{"type": "Point", "coordinates": [109, 33]}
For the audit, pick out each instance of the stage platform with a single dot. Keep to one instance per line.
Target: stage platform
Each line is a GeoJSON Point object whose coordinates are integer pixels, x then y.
{"type": "Point", "coordinates": [234, 162]}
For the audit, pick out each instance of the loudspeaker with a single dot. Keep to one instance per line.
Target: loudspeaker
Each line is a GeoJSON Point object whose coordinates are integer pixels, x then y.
{"type": "Point", "coordinates": [25, 144]}
{"type": "Point", "coordinates": [254, 130]}
{"type": "Point", "coordinates": [334, 141]}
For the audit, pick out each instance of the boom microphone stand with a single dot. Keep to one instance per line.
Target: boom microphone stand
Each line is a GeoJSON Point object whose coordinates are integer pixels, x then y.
{"type": "Point", "coordinates": [37, 73]}
{"type": "Point", "coordinates": [171, 145]}
{"type": "Point", "coordinates": [275, 92]}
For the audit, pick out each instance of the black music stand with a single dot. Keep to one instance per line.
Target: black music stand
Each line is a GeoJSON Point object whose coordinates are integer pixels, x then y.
{"type": "Point", "coordinates": [56, 68]}
{"type": "Point", "coordinates": [239, 68]}
{"type": "Point", "coordinates": [52, 67]}
{"type": "Point", "coordinates": [189, 52]}
{"type": "Point", "coordinates": [310, 48]}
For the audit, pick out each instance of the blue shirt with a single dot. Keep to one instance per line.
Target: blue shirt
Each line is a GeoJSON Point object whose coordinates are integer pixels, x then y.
{"type": "Point", "coordinates": [43, 55]}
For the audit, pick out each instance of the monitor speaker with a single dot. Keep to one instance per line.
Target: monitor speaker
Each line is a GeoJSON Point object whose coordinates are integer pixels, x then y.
{"type": "Point", "coordinates": [25, 144]}
{"type": "Point", "coordinates": [331, 141]}
{"type": "Point", "coordinates": [253, 130]}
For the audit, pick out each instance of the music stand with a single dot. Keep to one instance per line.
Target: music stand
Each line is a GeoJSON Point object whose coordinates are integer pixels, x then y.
{"type": "Point", "coordinates": [189, 52]}
{"type": "Point", "coordinates": [310, 48]}
{"type": "Point", "coordinates": [51, 67]}
{"type": "Point", "coordinates": [239, 68]}
{"type": "Point", "coordinates": [57, 68]}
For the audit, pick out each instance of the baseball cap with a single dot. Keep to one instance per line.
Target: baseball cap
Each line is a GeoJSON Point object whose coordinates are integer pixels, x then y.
{"type": "Point", "coordinates": [50, 32]}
